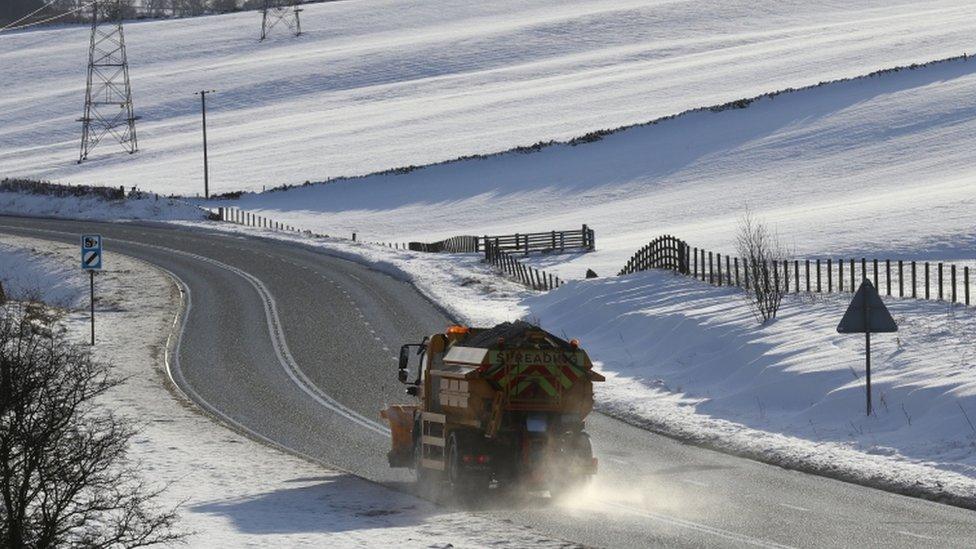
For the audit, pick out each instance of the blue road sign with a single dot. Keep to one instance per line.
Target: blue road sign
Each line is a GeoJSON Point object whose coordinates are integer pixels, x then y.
{"type": "Point", "coordinates": [91, 252]}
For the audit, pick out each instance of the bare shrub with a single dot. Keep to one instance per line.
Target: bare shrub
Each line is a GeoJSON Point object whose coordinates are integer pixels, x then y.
{"type": "Point", "coordinates": [763, 252]}
{"type": "Point", "coordinates": [65, 479]}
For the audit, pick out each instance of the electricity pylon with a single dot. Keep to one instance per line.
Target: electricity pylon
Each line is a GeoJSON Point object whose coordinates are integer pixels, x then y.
{"type": "Point", "coordinates": [108, 97]}
{"type": "Point", "coordinates": [280, 11]}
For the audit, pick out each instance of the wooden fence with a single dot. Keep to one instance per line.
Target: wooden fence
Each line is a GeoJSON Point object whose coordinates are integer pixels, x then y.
{"type": "Point", "coordinates": [666, 252]}
{"type": "Point", "coordinates": [243, 217]}
{"type": "Point", "coordinates": [454, 245]}
{"type": "Point", "coordinates": [901, 278]}
{"type": "Point", "coordinates": [583, 239]}
{"type": "Point", "coordinates": [503, 260]}
{"type": "Point", "coordinates": [530, 276]}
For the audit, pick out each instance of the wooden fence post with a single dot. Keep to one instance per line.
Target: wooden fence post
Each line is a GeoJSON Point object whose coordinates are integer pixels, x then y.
{"type": "Point", "coordinates": [796, 276]}
{"type": "Point", "coordinates": [718, 257]}
{"type": "Point", "coordinates": [728, 271]}
{"type": "Point", "coordinates": [914, 281]}
{"type": "Point", "coordinates": [965, 274]}
{"type": "Point", "coordinates": [901, 278]}
{"type": "Point", "coordinates": [830, 277]}
{"type": "Point", "coordinates": [953, 269]}
{"type": "Point", "coordinates": [888, 274]}
{"type": "Point", "coordinates": [853, 285]}
{"type": "Point", "coordinates": [808, 275]}
{"type": "Point", "coordinates": [819, 290]}
{"type": "Point", "coordinates": [940, 281]}
{"type": "Point", "coordinates": [840, 275]}
{"type": "Point", "coordinates": [738, 284]}
{"type": "Point", "coordinates": [926, 280]}
{"type": "Point", "coordinates": [864, 274]}
{"type": "Point", "coordinates": [711, 269]}
{"type": "Point", "coordinates": [775, 275]}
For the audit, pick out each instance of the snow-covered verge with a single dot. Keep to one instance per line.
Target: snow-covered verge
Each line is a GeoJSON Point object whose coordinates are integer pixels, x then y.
{"type": "Point", "coordinates": [377, 84]}
{"type": "Point", "coordinates": [880, 166]}
{"type": "Point", "coordinates": [690, 360]}
{"type": "Point", "coordinates": [35, 272]}
{"type": "Point", "coordinates": [232, 491]}
{"type": "Point", "coordinates": [95, 208]}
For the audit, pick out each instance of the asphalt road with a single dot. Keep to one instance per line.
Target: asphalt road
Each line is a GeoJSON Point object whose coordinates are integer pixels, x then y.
{"type": "Point", "coordinates": [298, 348]}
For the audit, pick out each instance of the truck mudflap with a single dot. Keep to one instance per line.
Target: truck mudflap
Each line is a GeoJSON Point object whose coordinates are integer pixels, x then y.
{"type": "Point", "coordinates": [401, 419]}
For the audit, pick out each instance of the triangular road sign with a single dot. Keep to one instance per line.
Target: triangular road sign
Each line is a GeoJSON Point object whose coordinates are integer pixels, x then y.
{"type": "Point", "coordinates": [867, 313]}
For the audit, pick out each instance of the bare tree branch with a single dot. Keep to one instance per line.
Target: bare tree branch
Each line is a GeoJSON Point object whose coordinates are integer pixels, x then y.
{"type": "Point", "coordinates": [65, 478]}
{"type": "Point", "coordinates": [762, 252]}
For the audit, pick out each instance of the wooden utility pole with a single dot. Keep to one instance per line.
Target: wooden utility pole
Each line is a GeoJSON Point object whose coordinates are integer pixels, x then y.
{"type": "Point", "coordinates": [206, 164]}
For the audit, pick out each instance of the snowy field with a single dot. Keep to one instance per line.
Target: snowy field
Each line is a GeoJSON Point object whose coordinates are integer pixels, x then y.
{"type": "Point", "coordinates": [881, 166]}
{"type": "Point", "coordinates": [232, 491]}
{"type": "Point", "coordinates": [377, 84]}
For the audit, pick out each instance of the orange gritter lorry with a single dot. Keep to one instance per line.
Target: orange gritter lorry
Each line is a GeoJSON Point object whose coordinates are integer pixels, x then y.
{"type": "Point", "coordinates": [495, 406]}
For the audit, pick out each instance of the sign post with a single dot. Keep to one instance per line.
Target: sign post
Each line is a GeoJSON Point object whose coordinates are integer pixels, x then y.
{"type": "Point", "coordinates": [866, 314]}
{"type": "Point", "coordinates": [91, 261]}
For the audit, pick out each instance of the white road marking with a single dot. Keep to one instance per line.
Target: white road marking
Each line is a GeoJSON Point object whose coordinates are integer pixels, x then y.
{"type": "Point", "coordinates": [694, 482]}
{"type": "Point", "coordinates": [914, 535]}
{"type": "Point", "coordinates": [285, 359]}
{"type": "Point", "coordinates": [794, 507]}
{"type": "Point", "coordinates": [698, 527]}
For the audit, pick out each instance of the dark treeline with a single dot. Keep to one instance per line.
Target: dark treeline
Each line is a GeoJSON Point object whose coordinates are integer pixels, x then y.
{"type": "Point", "coordinates": [12, 10]}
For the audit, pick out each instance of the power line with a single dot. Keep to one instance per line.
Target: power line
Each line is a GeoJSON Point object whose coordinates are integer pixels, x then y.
{"type": "Point", "coordinates": [50, 19]}
{"type": "Point", "coordinates": [31, 14]}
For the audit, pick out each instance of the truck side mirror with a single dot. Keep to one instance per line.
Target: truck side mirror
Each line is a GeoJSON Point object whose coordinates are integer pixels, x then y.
{"type": "Point", "coordinates": [404, 357]}
{"type": "Point", "coordinates": [402, 376]}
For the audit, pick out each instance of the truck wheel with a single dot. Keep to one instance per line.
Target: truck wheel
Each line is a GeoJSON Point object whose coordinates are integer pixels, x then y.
{"type": "Point", "coordinates": [580, 453]}
{"type": "Point", "coordinates": [428, 481]}
{"type": "Point", "coordinates": [464, 483]}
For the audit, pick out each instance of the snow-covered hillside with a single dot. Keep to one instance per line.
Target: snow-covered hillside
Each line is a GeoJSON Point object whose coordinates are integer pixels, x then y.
{"type": "Point", "coordinates": [376, 84]}
{"type": "Point", "coordinates": [881, 166]}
